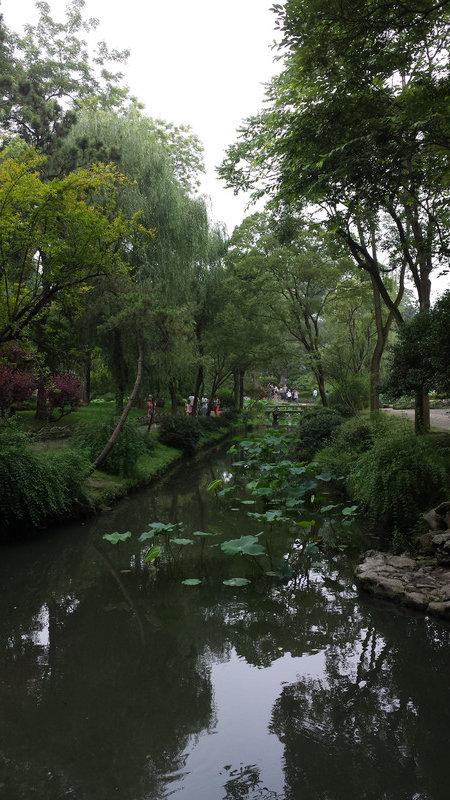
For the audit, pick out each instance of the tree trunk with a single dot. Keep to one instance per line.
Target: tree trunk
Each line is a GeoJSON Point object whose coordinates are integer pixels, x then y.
{"type": "Point", "coordinates": [321, 384]}
{"type": "Point", "coordinates": [41, 401]}
{"type": "Point", "coordinates": [421, 412]}
{"type": "Point", "coordinates": [241, 389]}
{"type": "Point", "coordinates": [119, 393]}
{"type": "Point", "coordinates": [198, 386]}
{"type": "Point", "coordinates": [112, 440]}
{"type": "Point", "coordinates": [236, 389]}
{"type": "Point", "coordinates": [87, 378]}
{"type": "Point", "coordinates": [173, 397]}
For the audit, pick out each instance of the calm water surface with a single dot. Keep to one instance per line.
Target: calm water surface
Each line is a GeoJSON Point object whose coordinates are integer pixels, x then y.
{"type": "Point", "coordinates": [117, 681]}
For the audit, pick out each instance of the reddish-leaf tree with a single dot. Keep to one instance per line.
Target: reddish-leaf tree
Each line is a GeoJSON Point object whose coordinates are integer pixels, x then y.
{"type": "Point", "coordinates": [16, 385]}
{"type": "Point", "coordinates": [64, 393]}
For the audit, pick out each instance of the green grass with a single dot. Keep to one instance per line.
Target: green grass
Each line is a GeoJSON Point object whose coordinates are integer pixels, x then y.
{"type": "Point", "coordinates": [105, 488]}
{"type": "Point", "coordinates": [84, 415]}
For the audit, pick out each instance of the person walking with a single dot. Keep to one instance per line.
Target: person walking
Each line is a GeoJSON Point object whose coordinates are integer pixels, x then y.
{"type": "Point", "coordinates": [314, 395]}
{"type": "Point", "coordinates": [216, 406]}
{"type": "Point", "coordinates": [204, 408]}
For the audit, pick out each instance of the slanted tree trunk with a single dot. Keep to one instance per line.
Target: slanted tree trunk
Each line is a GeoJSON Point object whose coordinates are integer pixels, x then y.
{"type": "Point", "coordinates": [115, 434]}
{"type": "Point", "coordinates": [320, 378]}
{"type": "Point", "coordinates": [382, 336]}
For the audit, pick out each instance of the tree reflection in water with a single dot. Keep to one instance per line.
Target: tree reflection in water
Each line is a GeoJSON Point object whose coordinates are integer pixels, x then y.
{"type": "Point", "coordinates": [245, 783]}
{"type": "Point", "coordinates": [106, 673]}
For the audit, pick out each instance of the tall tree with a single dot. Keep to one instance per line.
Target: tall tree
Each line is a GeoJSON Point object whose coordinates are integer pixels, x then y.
{"type": "Point", "coordinates": [357, 123]}
{"type": "Point", "coordinates": [286, 262]}
{"type": "Point", "coordinates": [55, 240]}
{"type": "Point", "coordinates": [49, 74]}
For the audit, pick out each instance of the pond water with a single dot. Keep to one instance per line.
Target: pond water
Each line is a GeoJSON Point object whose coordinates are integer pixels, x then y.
{"type": "Point", "coordinates": [118, 681]}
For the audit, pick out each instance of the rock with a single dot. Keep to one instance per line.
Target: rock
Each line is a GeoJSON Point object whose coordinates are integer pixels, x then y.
{"type": "Point", "coordinates": [440, 608]}
{"type": "Point", "coordinates": [421, 583]}
{"type": "Point", "coordinates": [415, 600]}
{"type": "Point", "coordinates": [439, 518]}
{"type": "Point", "coordinates": [425, 543]}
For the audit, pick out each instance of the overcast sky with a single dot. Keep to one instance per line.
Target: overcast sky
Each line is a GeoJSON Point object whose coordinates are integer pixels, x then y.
{"type": "Point", "coordinates": [196, 62]}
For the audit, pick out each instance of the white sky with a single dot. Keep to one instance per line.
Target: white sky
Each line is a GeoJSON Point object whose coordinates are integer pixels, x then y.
{"type": "Point", "coordinates": [196, 62]}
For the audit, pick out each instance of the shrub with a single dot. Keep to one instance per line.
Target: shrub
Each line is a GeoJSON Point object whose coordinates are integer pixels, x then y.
{"type": "Point", "coordinates": [313, 430]}
{"type": "Point", "coordinates": [226, 397]}
{"type": "Point", "coordinates": [398, 477]}
{"type": "Point", "coordinates": [36, 486]}
{"type": "Point", "coordinates": [180, 432]}
{"type": "Point", "coordinates": [122, 459]}
{"type": "Point", "coordinates": [347, 442]}
{"type": "Point", "coordinates": [350, 395]}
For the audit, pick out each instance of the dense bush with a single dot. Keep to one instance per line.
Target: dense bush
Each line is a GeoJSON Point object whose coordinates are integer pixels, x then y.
{"type": "Point", "coordinates": [36, 486]}
{"type": "Point", "coordinates": [313, 430]}
{"type": "Point", "coordinates": [347, 442]}
{"type": "Point", "coordinates": [181, 432]}
{"type": "Point", "coordinates": [122, 459]}
{"type": "Point", "coordinates": [226, 397]}
{"type": "Point", "coordinates": [398, 477]}
{"type": "Point", "coordinates": [350, 395]}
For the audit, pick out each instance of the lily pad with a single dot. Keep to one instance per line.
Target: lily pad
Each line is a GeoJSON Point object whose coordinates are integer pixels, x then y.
{"type": "Point", "coordinates": [182, 542]}
{"type": "Point", "coordinates": [191, 581]}
{"type": "Point", "coordinates": [202, 533]}
{"type": "Point", "coordinates": [347, 512]}
{"type": "Point", "coordinates": [146, 535]}
{"type": "Point", "coordinates": [117, 537]}
{"type": "Point", "coordinates": [236, 582]}
{"type": "Point", "coordinates": [246, 545]}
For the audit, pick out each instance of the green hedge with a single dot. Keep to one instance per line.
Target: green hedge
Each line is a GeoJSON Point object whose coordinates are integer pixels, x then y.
{"type": "Point", "coordinates": [35, 486]}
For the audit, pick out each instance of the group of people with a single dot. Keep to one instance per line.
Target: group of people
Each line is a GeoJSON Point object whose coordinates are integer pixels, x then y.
{"type": "Point", "coordinates": [283, 393]}
{"type": "Point", "coordinates": [202, 405]}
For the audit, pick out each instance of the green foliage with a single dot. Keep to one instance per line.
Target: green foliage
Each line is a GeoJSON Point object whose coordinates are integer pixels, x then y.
{"type": "Point", "coordinates": [347, 442]}
{"type": "Point", "coordinates": [313, 430]}
{"type": "Point", "coordinates": [180, 432]}
{"type": "Point", "coordinates": [350, 395]}
{"type": "Point", "coordinates": [226, 397]}
{"type": "Point", "coordinates": [420, 356]}
{"type": "Point", "coordinates": [122, 459]}
{"type": "Point", "coordinates": [398, 477]}
{"type": "Point", "coordinates": [36, 486]}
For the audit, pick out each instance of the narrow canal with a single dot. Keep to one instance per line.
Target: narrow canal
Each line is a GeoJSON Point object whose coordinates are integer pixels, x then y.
{"type": "Point", "coordinates": [119, 681]}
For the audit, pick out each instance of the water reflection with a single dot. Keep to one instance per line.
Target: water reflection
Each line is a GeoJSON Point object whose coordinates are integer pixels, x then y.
{"type": "Point", "coordinates": [117, 684]}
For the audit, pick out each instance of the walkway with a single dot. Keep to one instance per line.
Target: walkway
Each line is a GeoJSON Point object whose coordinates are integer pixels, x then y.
{"type": "Point", "coordinates": [439, 417]}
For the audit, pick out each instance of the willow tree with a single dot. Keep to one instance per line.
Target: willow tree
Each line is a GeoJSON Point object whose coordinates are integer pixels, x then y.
{"type": "Point", "coordinates": [162, 164]}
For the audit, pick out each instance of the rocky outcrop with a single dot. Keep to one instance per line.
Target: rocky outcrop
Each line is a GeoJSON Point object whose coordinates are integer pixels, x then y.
{"type": "Point", "coordinates": [422, 582]}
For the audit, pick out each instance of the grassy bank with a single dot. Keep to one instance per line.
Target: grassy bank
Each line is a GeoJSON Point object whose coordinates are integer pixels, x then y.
{"type": "Point", "coordinates": [104, 489]}
{"type": "Point", "coordinates": [45, 474]}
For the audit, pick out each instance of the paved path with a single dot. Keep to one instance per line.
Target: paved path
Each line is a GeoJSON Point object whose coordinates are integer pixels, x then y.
{"type": "Point", "coordinates": [439, 417]}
